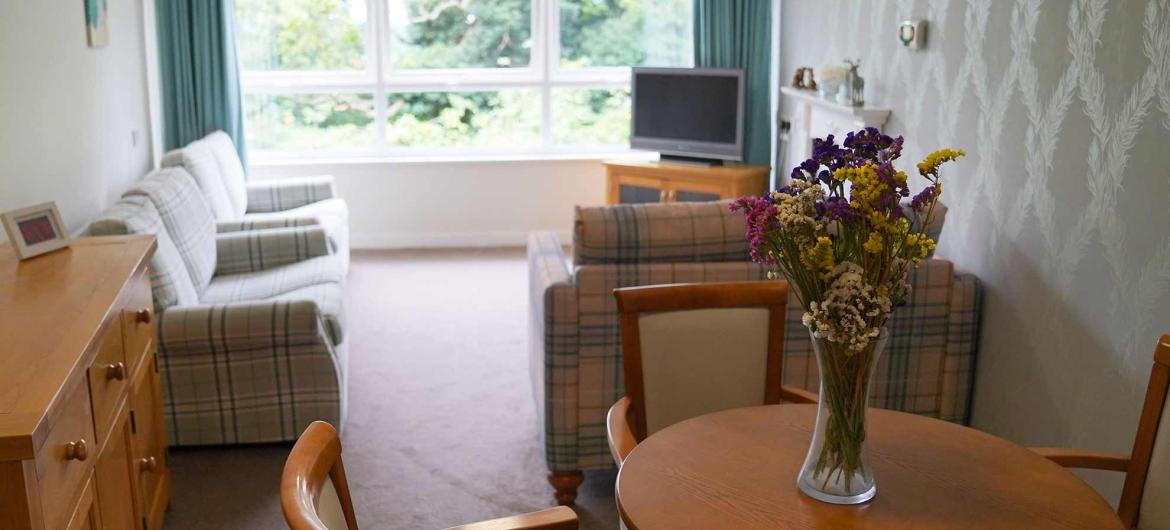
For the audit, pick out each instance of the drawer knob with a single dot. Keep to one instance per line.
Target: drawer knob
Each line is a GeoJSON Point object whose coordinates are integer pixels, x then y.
{"type": "Point", "coordinates": [142, 316]}
{"type": "Point", "coordinates": [116, 371]}
{"type": "Point", "coordinates": [147, 464]}
{"type": "Point", "coordinates": [76, 450]}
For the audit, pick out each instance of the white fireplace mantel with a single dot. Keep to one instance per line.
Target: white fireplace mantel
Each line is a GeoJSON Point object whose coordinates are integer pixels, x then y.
{"type": "Point", "coordinates": [810, 117]}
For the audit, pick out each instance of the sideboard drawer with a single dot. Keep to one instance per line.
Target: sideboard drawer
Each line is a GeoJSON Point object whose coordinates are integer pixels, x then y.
{"type": "Point", "coordinates": [64, 461]}
{"type": "Point", "coordinates": [108, 377]}
{"type": "Point", "coordinates": [138, 319]}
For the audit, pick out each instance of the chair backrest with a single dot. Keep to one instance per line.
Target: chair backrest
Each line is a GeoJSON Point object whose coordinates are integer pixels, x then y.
{"type": "Point", "coordinates": [187, 217]}
{"type": "Point", "coordinates": [314, 494]}
{"type": "Point", "coordinates": [169, 280]}
{"type": "Point", "coordinates": [658, 233]}
{"type": "Point", "coordinates": [1145, 498]}
{"type": "Point", "coordinates": [692, 349]}
{"type": "Point", "coordinates": [230, 168]}
{"type": "Point", "coordinates": [201, 163]}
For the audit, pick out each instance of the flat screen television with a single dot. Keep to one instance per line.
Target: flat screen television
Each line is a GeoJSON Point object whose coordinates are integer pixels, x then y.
{"type": "Point", "coordinates": [690, 113]}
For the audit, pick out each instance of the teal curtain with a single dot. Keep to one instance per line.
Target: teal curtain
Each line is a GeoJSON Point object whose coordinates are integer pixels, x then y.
{"type": "Point", "coordinates": [199, 72]}
{"type": "Point", "coordinates": [738, 34]}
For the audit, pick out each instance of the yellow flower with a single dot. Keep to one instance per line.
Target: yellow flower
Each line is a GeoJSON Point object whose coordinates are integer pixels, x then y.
{"type": "Point", "coordinates": [925, 246]}
{"type": "Point", "coordinates": [875, 244]}
{"type": "Point", "coordinates": [900, 227]}
{"type": "Point", "coordinates": [819, 257]}
{"type": "Point", "coordinates": [930, 164]}
{"type": "Point", "coordinates": [867, 188]}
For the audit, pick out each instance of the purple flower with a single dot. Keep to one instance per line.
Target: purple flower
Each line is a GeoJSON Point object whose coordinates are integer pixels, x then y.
{"type": "Point", "coordinates": [923, 198]}
{"type": "Point", "coordinates": [870, 145]}
{"type": "Point", "coordinates": [837, 209]}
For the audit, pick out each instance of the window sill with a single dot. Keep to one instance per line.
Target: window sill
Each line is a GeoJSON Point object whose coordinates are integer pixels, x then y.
{"type": "Point", "coordinates": [262, 160]}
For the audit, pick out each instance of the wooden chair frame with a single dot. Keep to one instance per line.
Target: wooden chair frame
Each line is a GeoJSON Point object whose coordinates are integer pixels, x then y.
{"type": "Point", "coordinates": [317, 456]}
{"type": "Point", "coordinates": [1136, 465]}
{"type": "Point", "coordinates": [627, 418]}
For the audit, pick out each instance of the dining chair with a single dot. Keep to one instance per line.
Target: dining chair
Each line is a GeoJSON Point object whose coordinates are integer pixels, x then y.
{"type": "Point", "coordinates": [692, 349]}
{"type": "Point", "coordinates": [1145, 497]}
{"type": "Point", "coordinates": [314, 494]}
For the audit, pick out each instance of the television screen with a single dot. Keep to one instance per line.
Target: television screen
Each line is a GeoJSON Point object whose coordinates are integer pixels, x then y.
{"type": "Point", "coordinates": [689, 112]}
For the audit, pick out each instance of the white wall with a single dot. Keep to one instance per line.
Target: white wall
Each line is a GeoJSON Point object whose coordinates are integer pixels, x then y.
{"type": "Point", "coordinates": [67, 112]}
{"type": "Point", "coordinates": [455, 203]}
{"type": "Point", "coordinates": [1061, 206]}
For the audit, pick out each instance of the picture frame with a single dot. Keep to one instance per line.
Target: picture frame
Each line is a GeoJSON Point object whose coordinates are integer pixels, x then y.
{"type": "Point", "coordinates": [35, 230]}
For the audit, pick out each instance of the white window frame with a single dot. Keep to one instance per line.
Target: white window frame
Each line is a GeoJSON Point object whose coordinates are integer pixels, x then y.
{"type": "Point", "coordinates": [543, 74]}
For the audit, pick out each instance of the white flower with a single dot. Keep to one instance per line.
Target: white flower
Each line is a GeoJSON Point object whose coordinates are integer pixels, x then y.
{"type": "Point", "coordinates": [852, 311]}
{"type": "Point", "coordinates": [797, 213]}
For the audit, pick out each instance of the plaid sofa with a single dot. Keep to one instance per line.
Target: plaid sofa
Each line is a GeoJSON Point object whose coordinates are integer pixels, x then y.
{"type": "Point", "coordinates": [575, 353]}
{"type": "Point", "coordinates": [250, 322]}
{"type": "Point", "coordinates": [239, 205]}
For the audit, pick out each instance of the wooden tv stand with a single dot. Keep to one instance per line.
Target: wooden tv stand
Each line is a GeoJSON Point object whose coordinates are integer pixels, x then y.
{"type": "Point", "coordinates": [642, 182]}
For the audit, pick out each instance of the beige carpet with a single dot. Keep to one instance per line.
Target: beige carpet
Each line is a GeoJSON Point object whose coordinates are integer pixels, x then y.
{"type": "Point", "coordinates": [441, 427]}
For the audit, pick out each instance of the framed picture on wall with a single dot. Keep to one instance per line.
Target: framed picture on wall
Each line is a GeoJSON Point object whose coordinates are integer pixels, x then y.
{"type": "Point", "coordinates": [97, 24]}
{"type": "Point", "coordinates": [35, 230]}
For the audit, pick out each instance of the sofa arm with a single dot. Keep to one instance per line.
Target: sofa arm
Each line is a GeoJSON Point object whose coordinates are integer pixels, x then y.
{"type": "Point", "coordinates": [552, 343]}
{"type": "Point", "coordinates": [282, 194]}
{"type": "Point", "coordinates": [247, 372]}
{"type": "Point", "coordinates": [254, 250]}
{"type": "Point", "coordinates": [222, 227]}
{"type": "Point", "coordinates": [963, 323]}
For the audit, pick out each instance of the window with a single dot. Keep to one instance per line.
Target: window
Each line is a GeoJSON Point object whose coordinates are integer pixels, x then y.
{"type": "Point", "coordinates": [384, 77]}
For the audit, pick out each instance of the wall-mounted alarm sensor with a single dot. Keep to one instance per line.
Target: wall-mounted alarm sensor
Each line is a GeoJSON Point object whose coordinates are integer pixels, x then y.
{"type": "Point", "coordinates": [912, 33]}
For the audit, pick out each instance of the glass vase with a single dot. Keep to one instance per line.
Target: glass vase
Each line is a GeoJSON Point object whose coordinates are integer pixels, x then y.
{"type": "Point", "coordinates": [837, 469]}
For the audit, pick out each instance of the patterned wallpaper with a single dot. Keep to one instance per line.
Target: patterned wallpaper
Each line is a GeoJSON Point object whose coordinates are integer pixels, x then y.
{"type": "Point", "coordinates": [1063, 206]}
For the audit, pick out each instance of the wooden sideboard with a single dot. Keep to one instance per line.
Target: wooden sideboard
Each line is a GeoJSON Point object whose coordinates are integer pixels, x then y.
{"type": "Point", "coordinates": [82, 443]}
{"type": "Point", "coordinates": [641, 182]}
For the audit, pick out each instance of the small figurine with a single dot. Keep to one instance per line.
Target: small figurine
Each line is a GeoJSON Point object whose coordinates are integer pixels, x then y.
{"type": "Point", "coordinates": [804, 78]}
{"type": "Point", "coordinates": [855, 84]}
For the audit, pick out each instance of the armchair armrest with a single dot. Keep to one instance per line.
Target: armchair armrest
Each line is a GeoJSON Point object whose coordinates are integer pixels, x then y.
{"type": "Point", "coordinates": [1078, 458]}
{"type": "Point", "coordinates": [282, 194]}
{"type": "Point", "coordinates": [222, 227]}
{"type": "Point", "coordinates": [621, 437]}
{"type": "Point", "coordinates": [254, 250]}
{"type": "Point", "coordinates": [239, 328]}
{"type": "Point", "coordinates": [559, 518]}
{"type": "Point", "coordinates": [793, 394]}
{"type": "Point", "coordinates": [553, 336]}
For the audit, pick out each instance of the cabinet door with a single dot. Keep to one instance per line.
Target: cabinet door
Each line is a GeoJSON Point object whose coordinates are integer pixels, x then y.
{"type": "Point", "coordinates": [149, 444]}
{"type": "Point", "coordinates": [115, 472]}
{"type": "Point", "coordinates": [630, 189]}
{"type": "Point", "coordinates": [85, 514]}
{"type": "Point", "coordinates": [696, 192]}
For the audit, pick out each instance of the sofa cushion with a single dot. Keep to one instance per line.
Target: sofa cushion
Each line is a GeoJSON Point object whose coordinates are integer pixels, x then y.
{"type": "Point", "coordinates": [262, 284]}
{"type": "Point", "coordinates": [230, 168]}
{"type": "Point", "coordinates": [169, 279]}
{"type": "Point", "coordinates": [201, 164]}
{"type": "Point", "coordinates": [656, 233]}
{"type": "Point", "coordinates": [318, 279]}
{"type": "Point", "coordinates": [187, 217]}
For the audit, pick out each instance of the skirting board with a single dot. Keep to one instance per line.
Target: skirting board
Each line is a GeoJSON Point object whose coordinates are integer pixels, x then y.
{"type": "Point", "coordinates": [446, 240]}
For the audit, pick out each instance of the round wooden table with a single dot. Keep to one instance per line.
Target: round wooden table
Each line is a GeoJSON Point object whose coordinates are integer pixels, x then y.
{"type": "Point", "coordinates": [737, 469]}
